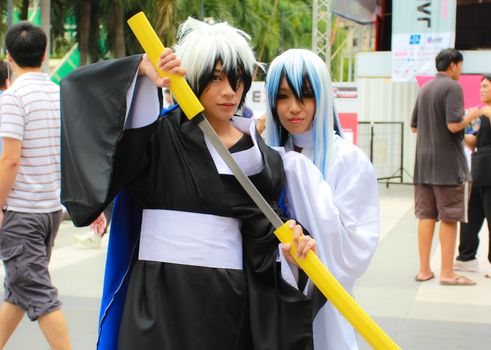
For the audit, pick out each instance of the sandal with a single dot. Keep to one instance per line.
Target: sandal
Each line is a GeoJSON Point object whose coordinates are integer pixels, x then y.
{"type": "Point", "coordinates": [458, 280]}
{"type": "Point", "coordinates": [419, 279]}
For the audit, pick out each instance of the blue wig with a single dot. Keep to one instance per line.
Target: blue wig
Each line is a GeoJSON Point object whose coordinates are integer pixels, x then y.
{"type": "Point", "coordinates": [297, 66]}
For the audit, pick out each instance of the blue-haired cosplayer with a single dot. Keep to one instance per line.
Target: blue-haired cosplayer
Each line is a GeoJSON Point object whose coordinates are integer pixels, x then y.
{"type": "Point", "coordinates": [306, 74]}
{"type": "Point", "coordinates": [192, 262]}
{"type": "Point", "coordinates": [340, 184]}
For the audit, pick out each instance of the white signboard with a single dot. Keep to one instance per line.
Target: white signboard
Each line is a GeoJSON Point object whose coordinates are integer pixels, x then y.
{"type": "Point", "coordinates": [420, 29]}
{"type": "Point", "coordinates": [414, 54]}
{"type": "Point", "coordinates": [256, 99]}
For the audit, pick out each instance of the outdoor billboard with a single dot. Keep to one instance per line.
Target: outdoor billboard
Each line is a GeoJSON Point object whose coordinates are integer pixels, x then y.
{"type": "Point", "coordinates": [420, 29]}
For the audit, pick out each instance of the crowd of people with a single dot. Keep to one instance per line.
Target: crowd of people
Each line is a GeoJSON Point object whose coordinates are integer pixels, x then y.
{"type": "Point", "coordinates": [192, 262]}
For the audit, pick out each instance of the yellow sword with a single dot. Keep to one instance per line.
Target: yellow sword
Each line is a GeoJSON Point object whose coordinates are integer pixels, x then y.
{"type": "Point", "coordinates": [312, 266]}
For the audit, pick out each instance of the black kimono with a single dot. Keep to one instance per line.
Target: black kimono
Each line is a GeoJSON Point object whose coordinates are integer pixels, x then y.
{"type": "Point", "coordinates": [166, 165]}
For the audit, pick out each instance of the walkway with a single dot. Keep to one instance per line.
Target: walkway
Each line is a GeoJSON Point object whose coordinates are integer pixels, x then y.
{"type": "Point", "coordinates": [419, 316]}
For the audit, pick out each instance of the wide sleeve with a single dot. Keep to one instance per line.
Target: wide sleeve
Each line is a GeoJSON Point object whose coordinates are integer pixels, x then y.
{"type": "Point", "coordinates": [95, 157]}
{"type": "Point", "coordinates": [344, 217]}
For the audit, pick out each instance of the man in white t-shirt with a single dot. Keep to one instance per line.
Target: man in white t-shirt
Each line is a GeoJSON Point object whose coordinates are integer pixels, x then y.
{"type": "Point", "coordinates": [30, 189]}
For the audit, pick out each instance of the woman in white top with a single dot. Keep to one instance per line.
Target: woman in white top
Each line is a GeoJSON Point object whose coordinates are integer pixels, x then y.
{"type": "Point", "coordinates": [339, 193]}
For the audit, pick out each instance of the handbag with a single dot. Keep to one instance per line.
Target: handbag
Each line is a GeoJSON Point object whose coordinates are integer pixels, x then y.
{"type": "Point", "coordinates": [481, 166]}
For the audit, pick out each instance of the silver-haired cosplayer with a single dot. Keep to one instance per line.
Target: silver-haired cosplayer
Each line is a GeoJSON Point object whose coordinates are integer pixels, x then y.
{"type": "Point", "coordinates": [192, 262]}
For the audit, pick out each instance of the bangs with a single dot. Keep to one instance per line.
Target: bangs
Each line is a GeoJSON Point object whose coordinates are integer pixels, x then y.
{"type": "Point", "coordinates": [299, 74]}
{"type": "Point", "coordinates": [299, 91]}
{"type": "Point", "coordinates": [201, 46]}
{"type": "Point", "coordinates": [236, 75]}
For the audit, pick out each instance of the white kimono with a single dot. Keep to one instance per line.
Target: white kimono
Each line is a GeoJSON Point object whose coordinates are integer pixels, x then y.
{"type": "Point", "coordinates": [342, 214]}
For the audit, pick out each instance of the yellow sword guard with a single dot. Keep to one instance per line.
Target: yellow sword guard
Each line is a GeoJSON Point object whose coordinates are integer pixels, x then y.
{"type": "Point", "coordinates": [153, 47]}
{"type": "Point", "coordinates": [337, 295]}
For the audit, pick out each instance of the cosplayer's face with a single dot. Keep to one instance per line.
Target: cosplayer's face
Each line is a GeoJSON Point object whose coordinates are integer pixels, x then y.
{"type": "Point", "coordinates": [219, 99]}
{"type": "Point", "coordinates": [485, 91]}
{"type": "Point", "coordinates": [295, 115]}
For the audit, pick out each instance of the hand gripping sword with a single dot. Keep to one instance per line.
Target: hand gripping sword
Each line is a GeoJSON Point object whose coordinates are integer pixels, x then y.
{"type": "Point", "coordinates": [311, 265]}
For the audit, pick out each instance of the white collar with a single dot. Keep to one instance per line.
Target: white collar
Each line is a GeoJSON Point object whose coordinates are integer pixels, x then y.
{"type": "Point", "coordinates": [249, 160]}
{"type": "Point", "coordinates": [303, 140]}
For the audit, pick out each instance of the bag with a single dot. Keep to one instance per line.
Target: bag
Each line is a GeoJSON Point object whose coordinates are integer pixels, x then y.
{"type": "Point", "coordinates": [481, 166]}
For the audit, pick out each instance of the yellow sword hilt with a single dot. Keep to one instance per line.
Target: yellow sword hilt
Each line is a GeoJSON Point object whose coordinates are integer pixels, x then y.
{"type": "Point", "coordinates": [153, 47]}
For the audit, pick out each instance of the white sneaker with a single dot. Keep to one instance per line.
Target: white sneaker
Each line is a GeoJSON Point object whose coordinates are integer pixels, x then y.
{"type": "Point", "coordinates": [466, 266]}
{"type": "Point", "coordinates": [89, 239]}
{"type": "Point", "coordinates": [487, 274]}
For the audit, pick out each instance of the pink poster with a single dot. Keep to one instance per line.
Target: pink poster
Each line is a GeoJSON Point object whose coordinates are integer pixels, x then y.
{"type": "Point", "coordinates": [349, 124]}
{"type": "Point", "coordinates": [470, 85]}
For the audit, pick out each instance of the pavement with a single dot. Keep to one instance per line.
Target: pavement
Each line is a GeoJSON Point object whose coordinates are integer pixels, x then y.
{"type": "Point", "coordinates": [415, 315]}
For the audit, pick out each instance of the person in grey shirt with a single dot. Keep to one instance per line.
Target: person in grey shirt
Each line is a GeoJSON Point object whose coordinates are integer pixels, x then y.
{"type": "Point", "coordinates": [440, 172]}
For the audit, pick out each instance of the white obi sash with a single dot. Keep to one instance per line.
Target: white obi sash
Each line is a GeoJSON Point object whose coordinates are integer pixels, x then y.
{"type": "Point", "coordinates": [191, 239]}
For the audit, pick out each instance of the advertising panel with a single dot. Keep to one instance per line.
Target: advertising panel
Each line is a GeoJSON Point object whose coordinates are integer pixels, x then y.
{"type": "Point", "coordinates": [420, 29]}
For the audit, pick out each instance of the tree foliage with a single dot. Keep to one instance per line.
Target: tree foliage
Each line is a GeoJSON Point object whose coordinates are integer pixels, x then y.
{"type": "Point", "coordinates": [274, 26]}
{"type": "Point", "coordinates": [101, 30]}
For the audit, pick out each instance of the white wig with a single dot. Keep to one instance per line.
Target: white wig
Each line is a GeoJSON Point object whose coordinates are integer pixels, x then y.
{"type": "Point", "coordinates": [298, 66]}
{"type": "Point", "coordinates": [201, 45]}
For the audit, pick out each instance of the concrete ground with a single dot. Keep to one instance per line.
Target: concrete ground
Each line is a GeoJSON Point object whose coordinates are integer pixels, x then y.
{"type": "Point", "coordinates": [423, 316]}
{"type": "Point", "coordinates": [416, 315]}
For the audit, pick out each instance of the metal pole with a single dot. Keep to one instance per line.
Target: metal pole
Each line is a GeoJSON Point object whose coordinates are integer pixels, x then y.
{"type": "Point", "coordinates": [350, 66]}
{"type": "Point", "coordinates": [202, 9]}
{"type": "Point", "coordinates": [341, 64]}
{"type": "Point", "coordinates": [45, 7]}
{"type": "Point", "coordinates": [372, 126]}
{"type": "Point", "coordinates": [321, 29]}
{"type": "Point", "coordinates": [10, 11]}
{"type": "Point", "coordinates": [328, 34]}
{"type": "Point", "coordinates": [402, 151]}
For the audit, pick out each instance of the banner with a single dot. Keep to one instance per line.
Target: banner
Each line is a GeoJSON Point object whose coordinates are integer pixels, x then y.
{"type": "Point", "coordinates": [420, 29]}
